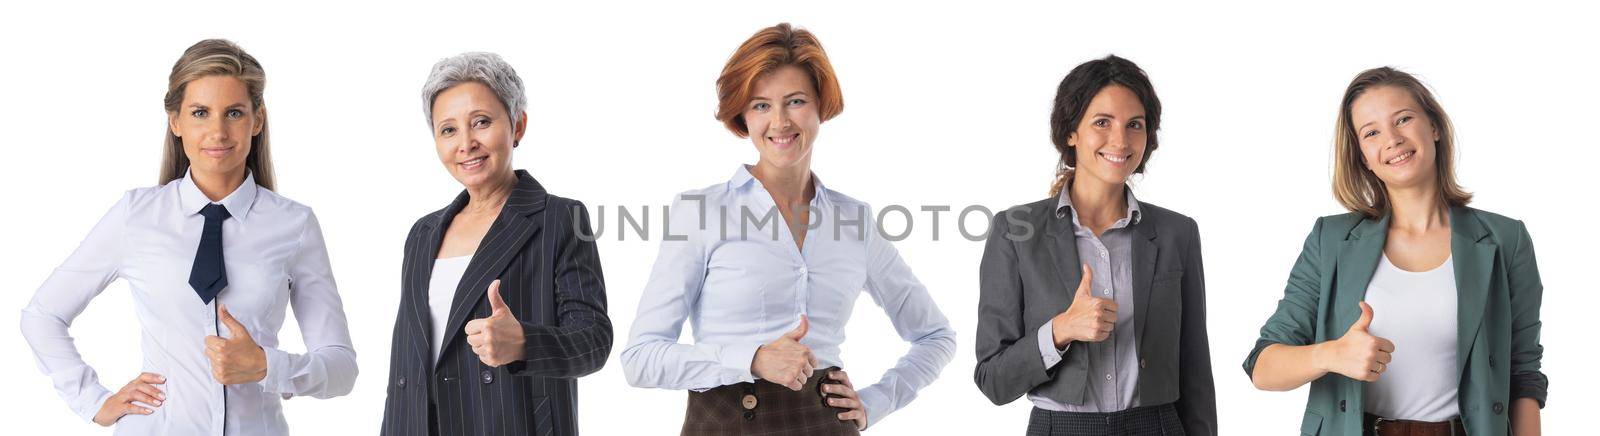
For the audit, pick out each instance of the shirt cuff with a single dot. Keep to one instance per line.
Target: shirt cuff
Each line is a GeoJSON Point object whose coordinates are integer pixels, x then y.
{"type": "Point", "coordinates": [738, 358]}
{"type": "Point", "coordinates": [278, 371]}
{"type": "Point", "coordinates": [1047, 347]}
{"type": "Point", "coordinates": [89, 410]}
{"type": "Point", "coordinates": [876, 403]}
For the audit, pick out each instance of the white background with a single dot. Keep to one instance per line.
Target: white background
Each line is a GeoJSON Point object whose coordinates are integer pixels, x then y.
{"type": "Point", "coordinates": [946, 105]}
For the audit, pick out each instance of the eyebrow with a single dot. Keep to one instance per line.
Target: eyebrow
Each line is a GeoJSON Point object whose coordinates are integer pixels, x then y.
{"type": "Point", "coordinates": [792, 94]}
{"type": "Point", "coordinates": [1103, 114]}
{"type": "Point", "coordinates": [1363, 126]}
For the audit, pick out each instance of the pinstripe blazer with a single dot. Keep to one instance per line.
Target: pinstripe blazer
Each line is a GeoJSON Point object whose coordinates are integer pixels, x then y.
{"type": "Point", "coordinates": [550, 278]}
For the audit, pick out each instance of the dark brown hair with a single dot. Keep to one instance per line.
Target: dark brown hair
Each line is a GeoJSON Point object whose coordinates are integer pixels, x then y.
{"type": "Point", "coordinates": [766, 51]}
{"type": "Point", "coordinates": [217, 57]}
{"type": "Point", "coordinates": [1072, 101]}
{"type": "Point", "coordinates": [1354, 186]}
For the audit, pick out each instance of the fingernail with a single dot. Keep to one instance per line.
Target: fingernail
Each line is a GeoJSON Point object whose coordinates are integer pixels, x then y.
{"type": "Point", "coordinates": [161, 396]}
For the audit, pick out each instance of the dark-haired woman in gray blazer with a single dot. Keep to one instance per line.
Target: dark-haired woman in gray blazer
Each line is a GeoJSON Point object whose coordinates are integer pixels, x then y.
{"type": "Point", "coordinates": [1093, 303]}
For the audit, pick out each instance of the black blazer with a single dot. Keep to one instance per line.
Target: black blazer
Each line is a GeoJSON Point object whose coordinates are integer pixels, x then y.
{"type": "Point", "coordinates": [1029, 272]}
{"type": "Point", "coordinates": [550, 278]}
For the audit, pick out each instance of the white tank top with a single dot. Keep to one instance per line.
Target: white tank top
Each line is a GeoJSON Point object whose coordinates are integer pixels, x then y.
{"type": "Point", "coordinates": [1416, 311]}
{"type": "Point", "coordinates": [442, 285]}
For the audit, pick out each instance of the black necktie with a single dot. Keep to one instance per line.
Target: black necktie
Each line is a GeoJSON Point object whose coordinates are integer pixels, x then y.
{"type": "Point", "coordinates": [207, 277]}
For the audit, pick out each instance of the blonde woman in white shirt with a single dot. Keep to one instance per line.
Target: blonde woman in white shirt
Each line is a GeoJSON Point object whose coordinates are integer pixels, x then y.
{"type": "Point", "coordinates": [212, 257]}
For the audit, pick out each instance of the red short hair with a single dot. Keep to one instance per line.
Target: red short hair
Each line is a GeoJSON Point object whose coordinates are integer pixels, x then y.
{"type": "Point", "coordinates": [766, 51]}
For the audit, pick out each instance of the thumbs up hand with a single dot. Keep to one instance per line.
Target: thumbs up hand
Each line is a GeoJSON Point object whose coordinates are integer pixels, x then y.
{"type": "Point", "coordinates": [1088, 319]}
{"type": "Point", "coordinates": [786, 361]}
{"type": "Point", "coordinates": [238, 359]}
{"type": "Point", "coordinates": [1358, 354]}
{"type": "Point", "coordinates": [497, 340]}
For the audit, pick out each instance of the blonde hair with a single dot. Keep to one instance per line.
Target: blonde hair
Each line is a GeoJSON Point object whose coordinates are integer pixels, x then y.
{"type": "Point", "coordinates": [1354, 186]}
{"type": "Point", "coordinates": [217, 57]}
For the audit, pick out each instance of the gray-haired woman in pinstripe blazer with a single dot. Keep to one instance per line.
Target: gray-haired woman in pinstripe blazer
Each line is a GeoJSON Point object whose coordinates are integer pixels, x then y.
{"type": "Point", "coordinates": [503, 305]}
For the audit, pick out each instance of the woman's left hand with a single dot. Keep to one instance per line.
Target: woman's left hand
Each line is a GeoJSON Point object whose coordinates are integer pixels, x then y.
{"type": "Point", "coordinates": [497, 340]}
{"type": "Point", "coordinates": [850, 400]}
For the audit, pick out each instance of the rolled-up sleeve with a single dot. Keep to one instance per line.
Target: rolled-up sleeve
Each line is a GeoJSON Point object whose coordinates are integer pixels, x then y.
{"type": "Point", "coordinates": [1294, 323]}
{"type": "Point", "coordinates": [328, 367]}
{"type": "Point", "coordinates": [64, 295]}
{"type": "Point", "coordinates": [1527, 381]}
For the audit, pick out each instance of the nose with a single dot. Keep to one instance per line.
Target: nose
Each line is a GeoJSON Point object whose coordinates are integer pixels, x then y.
{"type": "Point", "coordinates": [218, 129]}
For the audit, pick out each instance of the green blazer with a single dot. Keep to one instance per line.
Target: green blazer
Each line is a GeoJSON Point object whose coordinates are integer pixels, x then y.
{"type": "Point", "coordinates": [1498, 284]}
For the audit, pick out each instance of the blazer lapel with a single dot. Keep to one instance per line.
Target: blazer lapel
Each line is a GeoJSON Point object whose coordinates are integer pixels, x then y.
{"type": "Point", "coordinates": [1353, 270]}
{"type": "Point", "coordinates": [1144, 271]}
{"type": "Point", "coordinates": [1064, 255]}
{"type": "Point", "coordinates": [1474, 262]}
{"type": "Point", "coordinates": [507, 235]}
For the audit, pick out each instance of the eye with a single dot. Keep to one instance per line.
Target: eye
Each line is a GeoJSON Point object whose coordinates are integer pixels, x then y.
{"type": "Point", "coordinates": [234, 114]}
{"type": "Point", "coordinates": [761, 106]}
{"type": "Point", "coordinates": [447, 131]}
{"type": "Point", "coordinates": [480, 122]}
{"type": "Point", "coordinates": [1369, 134]}
{"type": "Point", "coordinates": [1102, 123]}
{"type": "Point", "coordinates": [797, 102]}
{"type": "Point", "coordinates": [199, 113]}
{"type": "Point", "coordinates": [1136, 125]}
{"type": "Point", "coordinates": [1403, 120]}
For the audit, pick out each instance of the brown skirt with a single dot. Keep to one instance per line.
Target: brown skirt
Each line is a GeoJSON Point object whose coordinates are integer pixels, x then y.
{"type": "Point", "coordinates": [765, 408]}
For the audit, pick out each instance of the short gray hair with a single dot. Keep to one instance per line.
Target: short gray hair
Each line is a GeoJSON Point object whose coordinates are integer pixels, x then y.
{"type": "Point", "coordinates": [486, 68]}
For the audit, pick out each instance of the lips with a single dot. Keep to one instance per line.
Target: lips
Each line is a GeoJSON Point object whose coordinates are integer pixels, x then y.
{"type": "Point", "coordinates": [1115, 159]}
{"type": "Point", "coordinates": [216, 152]}
{"type": "Point", "coordinates": [784, 141]}
{"type": "Point", "coordinates": [472, 164]}
{"type": "Point", "coordinates": [1401, 158]}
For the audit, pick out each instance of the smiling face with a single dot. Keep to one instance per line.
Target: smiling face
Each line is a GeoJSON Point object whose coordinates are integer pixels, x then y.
{"type": "Point", "coordinates": [1398, 140]}
{"type": "Point", "coordinates": [215, 123]}
{"type": "Point", "coordinates": [782, 118]}
{"type": "Point", "coordinates": [1110, 140]}
{"type": "Point", "coordinates": [474, 135]}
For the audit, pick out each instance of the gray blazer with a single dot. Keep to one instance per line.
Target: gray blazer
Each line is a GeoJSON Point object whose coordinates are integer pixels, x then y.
{"type": "Point", "coordinates": [1029, 272]}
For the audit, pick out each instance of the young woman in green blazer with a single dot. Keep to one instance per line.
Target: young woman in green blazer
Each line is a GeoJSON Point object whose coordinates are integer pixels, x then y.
{"type": "Point", "coordinates": [1413, 313]}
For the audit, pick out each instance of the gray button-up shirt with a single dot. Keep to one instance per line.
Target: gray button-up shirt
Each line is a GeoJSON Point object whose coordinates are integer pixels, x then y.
{"type": "Point", "coordinates": [1113, 363]}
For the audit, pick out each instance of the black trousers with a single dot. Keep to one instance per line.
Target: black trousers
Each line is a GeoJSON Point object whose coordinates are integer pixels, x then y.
{"type": "Point", "coordinates": [1159, 420]}
{"type": "Point", "coordinates": [765, 408]}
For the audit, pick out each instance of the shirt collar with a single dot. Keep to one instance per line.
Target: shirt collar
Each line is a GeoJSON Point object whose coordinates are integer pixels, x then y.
{"type": "Point", "coordinates": [742, 177]}
{"type": "Point", "coordinates": [1064, 205]}
{"type": "Point", "coordinates": [237, 203]}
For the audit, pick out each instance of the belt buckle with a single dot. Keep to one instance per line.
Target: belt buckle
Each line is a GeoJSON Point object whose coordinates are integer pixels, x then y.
{"type": "Point", "coordinates": [1377, 422]}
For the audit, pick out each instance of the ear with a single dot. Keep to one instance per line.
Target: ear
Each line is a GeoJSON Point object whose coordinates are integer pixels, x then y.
{"type": "Point", "coordinates": [1072, 139]}
{"type": "Point", "coordinates": [520, 129]}
{"type": "Point", "coordinates": [172, 124]}
{"type": "Point", "coordinates": [260, 121]}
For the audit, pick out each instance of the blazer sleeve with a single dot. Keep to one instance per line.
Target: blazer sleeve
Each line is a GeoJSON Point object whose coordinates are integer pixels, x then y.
{"type": "Point", "coordinates": [581, 339]}
{"type": "Point", "coordinates": [1197, 394]}
{"type": "Point", "coordinates": [1294, 323]}
{"type": "Point", "coordinates": [1527, 381]}
{"type": "Point", "coordinates": [1009, 364]}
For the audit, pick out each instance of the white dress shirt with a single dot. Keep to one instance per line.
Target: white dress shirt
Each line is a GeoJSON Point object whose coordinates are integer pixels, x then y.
{"type": "Point", "coordinates": [1416, 311]}
{"type": "Point", "coordinates": [729, 266]}
{"type": "Point", "coordinates": [273, 255]}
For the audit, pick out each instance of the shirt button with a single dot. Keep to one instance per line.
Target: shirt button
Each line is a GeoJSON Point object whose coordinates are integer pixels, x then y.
{"type": "Point", "coordinates": [749, 402]}
{"type": "Point", "coordinates": [1341, 405]}
{"type": "Point", "coordinates": [488, 377]}
{"type": "Point", "coordinates": [400, 383]}
{"type": "Point", "coordinates": [1108, 377]}
{"type": "Point", "coordinates": [1499, 407]}
{"type": "Point", "coordinates": [1491, 361]}
{"type": "Point", "coordinates": [1142, 363]}
{"type": "Point", "coordinates": [1107, 292]}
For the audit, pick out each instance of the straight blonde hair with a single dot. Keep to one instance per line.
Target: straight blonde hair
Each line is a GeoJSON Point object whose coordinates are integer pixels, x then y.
{"type": "Point", "coordinates": [1354, 186]}
{"type": "Point", "coordinates": [217, 57]}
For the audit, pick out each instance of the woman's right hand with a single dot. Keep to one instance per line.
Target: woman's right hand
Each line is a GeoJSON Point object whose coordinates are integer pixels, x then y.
{"type": "Point", "coordinates": [1358, 354]}
{"type": "Point", "coordinates": [142, 390]}
{"type": "Point", "coordinates": [786, 361]}
{"type": "Point", "coordinates": [1088, 319]}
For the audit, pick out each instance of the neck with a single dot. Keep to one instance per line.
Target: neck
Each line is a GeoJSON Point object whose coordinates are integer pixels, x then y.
{"type": "Point", "coordinates": [1417, 209]}
{"type": "Point", "coordinates": [217, 185]}
{"type": "Point", "coordinates": [1098, 204]}
{"type": "Point", "coordinates": [787, 186]}
{"type": "Point", "coordinates": [489, 197]}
